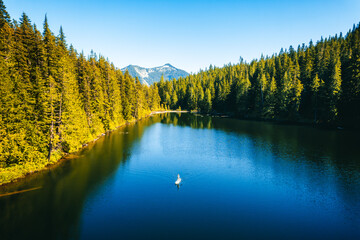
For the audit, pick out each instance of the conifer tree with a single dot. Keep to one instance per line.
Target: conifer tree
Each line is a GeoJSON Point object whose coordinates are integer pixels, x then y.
{"type": "Point", "coordinates": [334, 86]}
{"type": "Point", "coordinates": [4, 15]}
{"type": "Point", "coordinates": [6, 33]}
{"type": "Point", "coordinates": [270, 99]}
{"type": "Point", "coordinates": [139, 103]}
{"type": "Point", "coordinates": [242, 90]}
{"type": "Point", "coordinates": [54, 89]}
{"type": "Point", "coordinates": [53, 100]}
{"type": "Point", "coordinates": [174, 100]}
{"type": "Point", "coordinates": [128, 97]}
{"type": "Point", "coordinates": [97, 99]}
{"type": "Point", "coordinates": [316, 86]}
{"type": "Point", "coordinates": [285, 86]}
{"type": "Point", "coordinates": [207, 101]}
{"type": "Point", "coordinates": [73, 130]}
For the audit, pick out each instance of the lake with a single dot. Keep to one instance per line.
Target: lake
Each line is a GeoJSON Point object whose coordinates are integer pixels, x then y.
{"type": "Point", "coordinates": [240, 180]}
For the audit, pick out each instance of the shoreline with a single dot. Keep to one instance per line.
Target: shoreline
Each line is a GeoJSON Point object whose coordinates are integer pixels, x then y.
{"type": "Point", "coordinates": [72, 155]}
{"type": "Point", "coordinates": [68, 156]}
{"type": "Point", "coordinates": [284, 122]}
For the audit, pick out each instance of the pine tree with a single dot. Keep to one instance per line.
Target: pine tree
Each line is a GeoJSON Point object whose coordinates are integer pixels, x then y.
{"type": "Point", "coordinates": [97, 99]}
{"type": "Point", "coordinates": [270, 99]}
{"type": "Point", "coordinates": [115, 98]}
{"type": "Point", "coordinates": [73, 130]}
{"type": "Point", "coordinates": [4, 15]}
{"type": "Point", "coordinates": [128, 97]}
{"type": "Point", "coordinates": [350, 95]}
{"type": "Point", "coordinates": [262, 87]}
{"type": "Point", "coordinates": [191, 98]}
{"type": "Point", "coordinates": [6, 33]}
{"type": "Point", "coordinates": [52, 100]}
{"type": "Point", "coordinates": [334, 87]}
{"type": "Point", "coordinates": [82, 68]}
{"type": "Point", "coordinates": [139, 103]}
{"type": "Point", "coordinates": [207, 101]}
{"type": "Point", "coordinates": [174, 100]}
{"type": "Point", "coordinates": [316, 87]}
{"type": "Point", "coordinates": [242, 90]}
{"type": "Point", "coordinates": [54, 88]}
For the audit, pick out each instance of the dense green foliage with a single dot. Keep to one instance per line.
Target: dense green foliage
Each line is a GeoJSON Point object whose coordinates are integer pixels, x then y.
{"type": "Point", "coordinates": [315, 83]}
{"type": "Point", "coordinates": [53, 100]}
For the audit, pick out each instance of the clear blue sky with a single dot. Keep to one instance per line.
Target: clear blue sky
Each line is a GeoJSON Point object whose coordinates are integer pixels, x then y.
{"type": "Point", "coordinates": [189, 34]}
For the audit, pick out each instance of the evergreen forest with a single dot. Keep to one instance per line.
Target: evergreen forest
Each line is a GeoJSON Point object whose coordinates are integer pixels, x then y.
{"type": "Point", "coordinates": [314, 84]}
{"type": "Point", "coordinates": [53, 99]}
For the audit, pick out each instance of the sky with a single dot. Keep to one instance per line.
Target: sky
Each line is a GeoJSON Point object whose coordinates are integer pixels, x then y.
{"type": "Point", "coordinates": [189, 34]}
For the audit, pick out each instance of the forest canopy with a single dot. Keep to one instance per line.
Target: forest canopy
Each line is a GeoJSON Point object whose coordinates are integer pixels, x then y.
{"type": "Point", "coordinates": [53, 99]}
{"type": "Point", "coordinates": [317, 83]}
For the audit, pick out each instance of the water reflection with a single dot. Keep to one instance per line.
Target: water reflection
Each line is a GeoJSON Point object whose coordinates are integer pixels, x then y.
{"type": "Point", "coordinates": [320, 160]}
{"type": "Point", "coordinates": [240, 174]}
{"type": "Point", "coordinates": [54, 212]}
{"type": "Point", "coordinates": [324, 148]}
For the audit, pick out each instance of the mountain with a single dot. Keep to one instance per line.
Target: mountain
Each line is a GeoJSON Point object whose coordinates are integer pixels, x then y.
{"type": "Point", "coordinates": [150, 75]}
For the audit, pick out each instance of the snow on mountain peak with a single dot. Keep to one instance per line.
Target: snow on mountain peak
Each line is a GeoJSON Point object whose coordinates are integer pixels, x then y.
{"type": "Point", "coordinates": [150, 75]}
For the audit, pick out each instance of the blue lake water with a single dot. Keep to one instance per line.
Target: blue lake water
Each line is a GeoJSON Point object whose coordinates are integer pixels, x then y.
{"type": "Point", "coordinates": [240, 180]}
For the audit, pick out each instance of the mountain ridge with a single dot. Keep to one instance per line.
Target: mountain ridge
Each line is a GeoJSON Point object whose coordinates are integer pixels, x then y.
{"type": "Point", "coordinates": [148, 76]}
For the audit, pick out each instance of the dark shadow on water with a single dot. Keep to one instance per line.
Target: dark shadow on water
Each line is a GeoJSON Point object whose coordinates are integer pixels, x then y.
{"type": "Point", "coordinates": [327, 153]}
{"type": "Point", "coordinates": [54, 211]}
{"type": "Point", "coordinates": [339, 147]}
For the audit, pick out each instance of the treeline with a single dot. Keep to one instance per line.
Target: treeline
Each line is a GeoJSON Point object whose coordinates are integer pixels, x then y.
{"type": "Point", "coordinates": [316, 83]}
{"type": "Point", "coordinates": [53, 100]}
